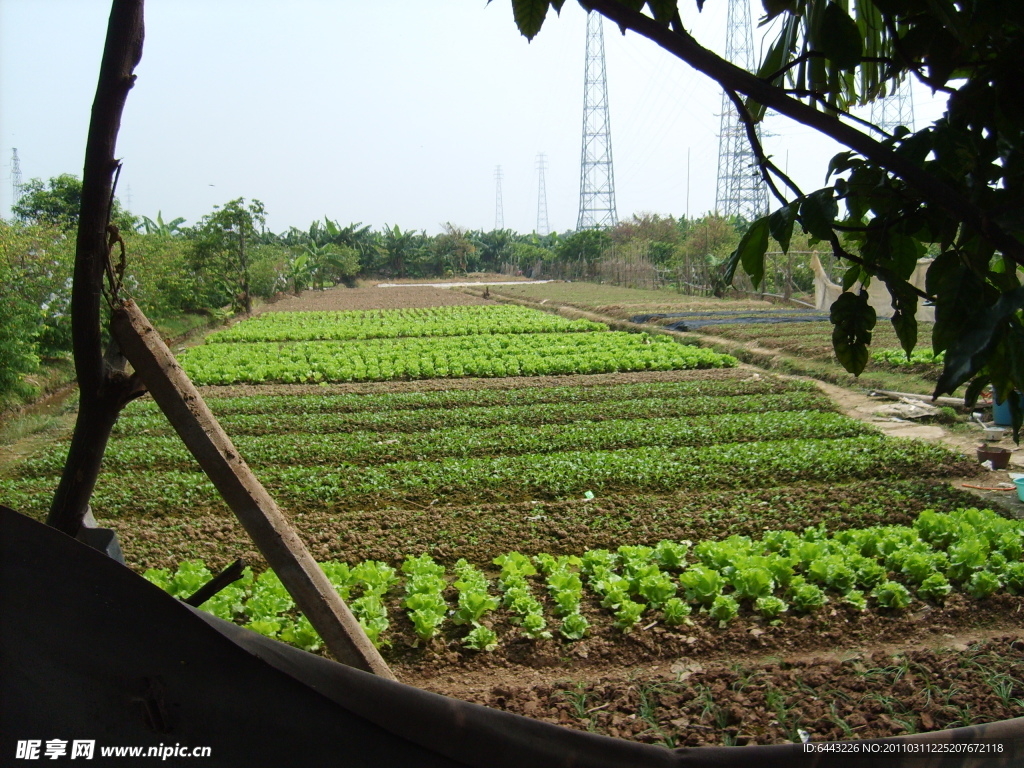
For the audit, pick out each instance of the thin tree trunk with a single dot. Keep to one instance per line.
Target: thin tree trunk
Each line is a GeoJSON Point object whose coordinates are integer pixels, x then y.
{"type": "Point", "coordinates": [103, 384]}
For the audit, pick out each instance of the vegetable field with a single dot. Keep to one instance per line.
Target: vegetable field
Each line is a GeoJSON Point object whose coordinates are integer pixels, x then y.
{"type": "Point", "coordinates": [295, 347]}
{"type": "Point", "coordinates": [602, 529]}
{"type": "Point", "coordinates": [798, 340]}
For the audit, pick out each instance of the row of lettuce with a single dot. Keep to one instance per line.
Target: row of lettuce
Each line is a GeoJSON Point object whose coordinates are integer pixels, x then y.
{"type": "Point", "coordinates": [335, 447]}
{"type": "Point", "coordinates": [501, 444]}
{"type": "Point", "coordinates": [399, 323]}
{"type": "Point", "coordinates": [532, 475]}
{"type": "Point", "coordinates": [440, 342]}
{"type": "Point", "coordinates": [428, 357]}
{"type": "Point", "coordinates": [885, 569]}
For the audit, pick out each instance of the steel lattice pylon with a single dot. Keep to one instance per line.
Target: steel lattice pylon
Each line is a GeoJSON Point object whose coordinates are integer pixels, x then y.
{"type": "Point", "coordinates": [542, 197]}
{"type": "Point", "coordinates": [894, 109]}
{"type": "Point", "coordinates": [499, 210]}
{"type": "Point", "coordinates": [741, 191]}
{"type": "Point", "coordinates": [16, 188]}
{"type": "Point", "coordinates": [597, 180]}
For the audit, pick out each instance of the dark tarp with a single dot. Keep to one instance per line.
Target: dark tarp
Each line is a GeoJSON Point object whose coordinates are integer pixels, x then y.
{"type": "Point", "coordinates": [91, 651]}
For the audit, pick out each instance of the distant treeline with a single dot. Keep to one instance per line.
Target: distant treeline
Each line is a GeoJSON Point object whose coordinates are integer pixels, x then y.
{"type": "Point", "coordinates": [228, 258]}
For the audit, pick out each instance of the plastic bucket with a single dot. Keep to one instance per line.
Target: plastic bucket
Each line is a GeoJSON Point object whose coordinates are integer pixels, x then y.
{"type": "Point", "coordinates": [1019, 482]}
{"type": "Point", "coordinates": [1001, 412]}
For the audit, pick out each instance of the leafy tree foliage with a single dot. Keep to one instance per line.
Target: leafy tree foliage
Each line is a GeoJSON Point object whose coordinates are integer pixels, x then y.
{"type": "Point", "coordinates": [162, 228]}
{"type": "Point", "coordinates": [453, 251]}
{"type": "Point", "coordinates": [56, 202]}
{"type": "Point", "coordinates": [219, 260]}
{"type": "Point", "coordinates": [587, 245]}
{"type": "Point", "coordinates": [955, 187]}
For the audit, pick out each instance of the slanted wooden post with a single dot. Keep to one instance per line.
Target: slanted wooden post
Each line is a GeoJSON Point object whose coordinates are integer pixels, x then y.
{"type": "Point", "coordinates": [181, 402]}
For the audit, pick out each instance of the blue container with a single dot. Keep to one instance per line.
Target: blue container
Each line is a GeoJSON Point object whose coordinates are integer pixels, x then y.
{"type": "Point", "coordinates": [1019, 482]}
{"type": "Point", "coordinates": [1001, 412]}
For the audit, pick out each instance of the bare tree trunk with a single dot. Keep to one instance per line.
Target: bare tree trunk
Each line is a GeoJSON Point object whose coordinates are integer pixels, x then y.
{"type": "Point", "coordinates": [103, 384]}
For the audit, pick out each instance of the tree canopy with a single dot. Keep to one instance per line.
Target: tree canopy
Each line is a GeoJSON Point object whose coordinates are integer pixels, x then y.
{"type": "Point", "coordinates": [955, 186]}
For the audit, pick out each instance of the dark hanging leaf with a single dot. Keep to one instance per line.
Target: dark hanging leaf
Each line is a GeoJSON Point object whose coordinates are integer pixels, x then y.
{"type": "Point", "coordinates": [942, 56]}
{"type": "Point", "coordinates": [818, 212]}
{"type": "Point", "coordinates": [952, 283]}
{"type": "Point", "coordinates": [773, 8]}
{"type": "Point", "coordinates": [729, 267]}
{"type": "Point", "coordinates": [974, 390]}
{"type": "Point", "coordinates": [851, 276]}
{"type": "Point", "coordinates": [752, 248]}
{"type": "Point", "coordinates": [663, 10]}
{"type": "Point", "coordinates": [529, 16]}
{"type": "Point", "coordinates": [839, 163]}
{"type": "Point", "coordinates": [557, 5]}
{"type": "Point", "coordinates": [904, 317]}
{"type": "Point", "coordinates": [1005, 369]}
{"type": "Point", "coordinates": [840, 38]}
{"type": "Point", "coordinates": [976, 339]}
{"type": "Point", "coordinates": [780, 224]}
{"type": "Point", "coordinates": [854, 320]}
{"type": "Point", "coordinates": [904, 252]}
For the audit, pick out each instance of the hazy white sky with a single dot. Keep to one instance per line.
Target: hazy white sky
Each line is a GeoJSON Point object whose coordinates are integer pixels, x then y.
{"type": "Point", "coordinates": [387, 112]}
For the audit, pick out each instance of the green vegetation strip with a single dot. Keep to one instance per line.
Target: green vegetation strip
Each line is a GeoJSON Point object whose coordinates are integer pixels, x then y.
{"type": "Point", "coordinates": [455, 398]}
{"type": "Point", "coordinates": [418, 358]}
{"type": "Point", "coordinates": [731, 465]}
{"type": "Point", "coordinates": [882, 568]}
{"type": "Point", "coordinates": [899, 357]}
{"type": "Point", "coordinates": [330, 449]}
{"type": "Point", "coordinates": [396, 323]}
{"type": "Point", "coordinates": [492, 416]}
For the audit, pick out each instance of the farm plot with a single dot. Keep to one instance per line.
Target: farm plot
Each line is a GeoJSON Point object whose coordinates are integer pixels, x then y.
{"type": "Point", "coordinates": [397, 344]}
{"type": "Point", "coordinates": [523, 544]}
{"type": "Point", "coordinates": [802, 335]}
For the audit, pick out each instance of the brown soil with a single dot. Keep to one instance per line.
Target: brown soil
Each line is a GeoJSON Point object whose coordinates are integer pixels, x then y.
{"type": "Point", "coordinates": [519, 382]}
{"type": "Point", "coordinates": [372, 297]}
{"type": "Point", "coordinates": [879, 685]}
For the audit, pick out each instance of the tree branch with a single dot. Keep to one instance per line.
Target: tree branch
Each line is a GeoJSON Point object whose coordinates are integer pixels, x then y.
{"type": "Point", "coordinates": [766, 165]}
{"type": "Point", "coordinates": [103, 383]}
{"type": "Point", "coordinates": [729, 76]}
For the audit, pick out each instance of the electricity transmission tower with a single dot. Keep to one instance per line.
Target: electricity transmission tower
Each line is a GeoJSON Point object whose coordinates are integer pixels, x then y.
{"type": "Point", "coordinates": [741, 191]}
{"type": "Point", "coordinates": [16, 188]}
{"type": "Point", "coordinates": [542, 197]}
{"type": "Point", "coordinates": [499, 213]}
{"type": "Point", "coordinates": [597, 181]}
{"type": "Point", "coordinates": [894, 109]}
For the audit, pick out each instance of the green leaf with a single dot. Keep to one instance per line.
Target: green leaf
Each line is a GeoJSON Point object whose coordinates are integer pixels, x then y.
{"type": "Point", "coordinates": [854, 320]}
{"type": "Point", "coordinates": [818, 211]}
{"type": "Point", "coordinates": [752, 248]}
{"type": "Point", "coordinates": [529, 16]}
{"type": "Point", "coordinates": [839, 164]}
{"type": "Point", "coordinates": [976, 340]}
{"type": "Point", "coordinates": [974, 390]}
{"type": "Point", "coordinates": [851, 276]}
{"type": "Point", "coordinates": [780, 224]}
{"type": "Point", "coordinates": [904, 317]}
{"type": "Point", "coordinates": [840, 38]}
